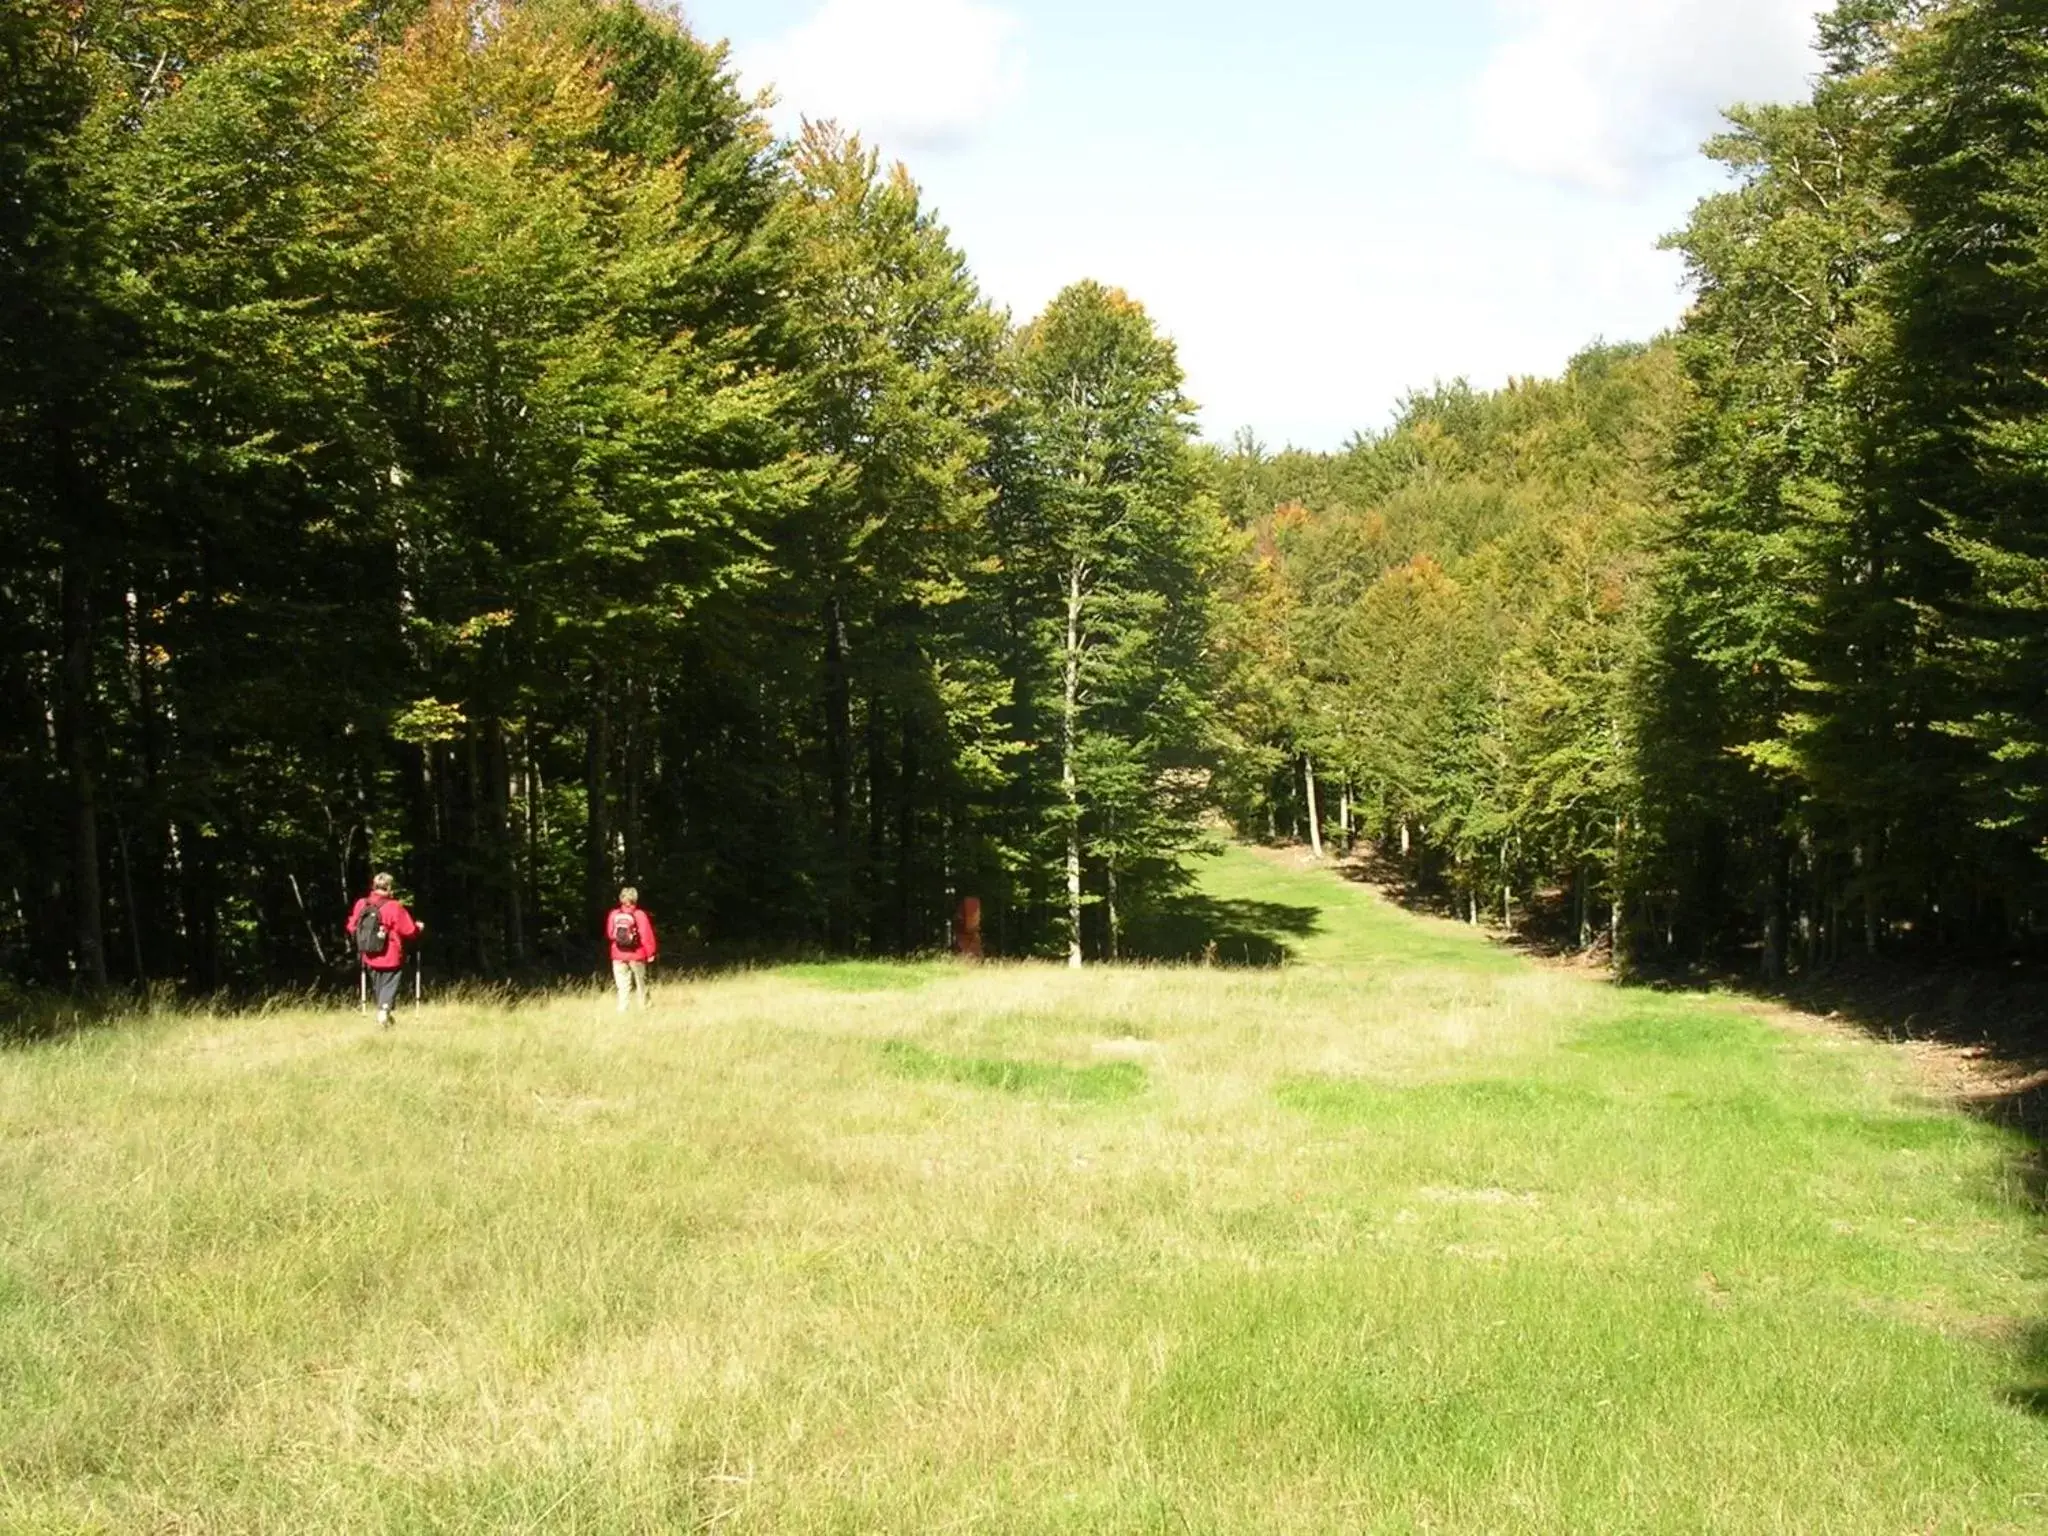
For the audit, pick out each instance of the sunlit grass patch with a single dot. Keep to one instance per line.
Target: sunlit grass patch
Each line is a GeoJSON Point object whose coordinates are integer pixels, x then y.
{"type": "Point", "coordinates": [1103, 1083]}
{"type": "Point", "coordinates": [866, 976]}
{"type": "Point", "coordinates": [1647, 1026]}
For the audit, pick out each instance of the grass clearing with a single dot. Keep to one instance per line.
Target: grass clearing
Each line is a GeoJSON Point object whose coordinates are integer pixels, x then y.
{"type": "Point", "coordinates": [1406, 1234]}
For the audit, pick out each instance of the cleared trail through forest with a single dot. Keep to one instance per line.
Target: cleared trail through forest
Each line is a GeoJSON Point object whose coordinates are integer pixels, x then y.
{"type": "Point", "coordinates": [1368, 1225]}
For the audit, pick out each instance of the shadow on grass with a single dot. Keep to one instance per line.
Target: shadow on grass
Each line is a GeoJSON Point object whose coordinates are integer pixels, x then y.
{"type": "Point", "coordinates": [1992, 1017]}
{"type": "Point", "coordinates": [1408, 887]}
{"type": "Point", "coordinates": [1238, 933]}
{"type": "Point", "coordinates": [31, 1019]}
{"type": "Point", "coordinates": [2032, 1397]}
{"type": "Point", "coordinates": [1996, 1010]}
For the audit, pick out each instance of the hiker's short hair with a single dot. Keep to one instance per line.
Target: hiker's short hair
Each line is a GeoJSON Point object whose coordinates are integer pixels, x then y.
{"type": "Point", "coordinates": [629, 896]}
{"type": "Point", "coordinates": [384, 884]}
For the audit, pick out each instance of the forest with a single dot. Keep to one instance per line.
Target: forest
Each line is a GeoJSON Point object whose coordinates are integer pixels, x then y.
{"type": "Point", "coordinates": [461, 438]}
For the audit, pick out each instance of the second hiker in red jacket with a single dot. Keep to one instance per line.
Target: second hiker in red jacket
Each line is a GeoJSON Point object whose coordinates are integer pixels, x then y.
{"type": "Point", "coordinates": [630, 932]}
{"type": "Point", "coordinates": [380, 925]}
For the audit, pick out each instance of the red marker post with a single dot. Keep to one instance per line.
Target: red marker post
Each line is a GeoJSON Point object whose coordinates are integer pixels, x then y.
{"type": "Point", "coordinates": [967, 929]}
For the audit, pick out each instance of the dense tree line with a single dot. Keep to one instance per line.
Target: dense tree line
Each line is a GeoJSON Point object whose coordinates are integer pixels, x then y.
{"type": "Point", "coordinates": [457, 437]}
{"type": "Point", "coordinates": [1742, 639]}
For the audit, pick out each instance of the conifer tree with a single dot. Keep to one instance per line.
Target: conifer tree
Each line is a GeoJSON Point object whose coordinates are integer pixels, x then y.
{"type": "Point", "coordinates": [1969, 288]}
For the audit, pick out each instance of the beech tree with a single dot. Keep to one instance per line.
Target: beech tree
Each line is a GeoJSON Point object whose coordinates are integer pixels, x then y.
{"type": "Point", "coordinates": [1108, 541]}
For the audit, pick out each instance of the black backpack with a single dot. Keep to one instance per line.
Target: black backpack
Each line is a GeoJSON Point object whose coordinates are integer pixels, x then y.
{"type": "Point", "coordinates": [370, 936]}
{"type": "Point", "coordinates": [625, 930]}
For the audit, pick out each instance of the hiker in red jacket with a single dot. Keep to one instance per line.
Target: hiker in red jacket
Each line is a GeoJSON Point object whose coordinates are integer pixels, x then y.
{"type": "Point", "coordinates": [380, 925]}
{"type": "Point", "coordinates": [630, 932]}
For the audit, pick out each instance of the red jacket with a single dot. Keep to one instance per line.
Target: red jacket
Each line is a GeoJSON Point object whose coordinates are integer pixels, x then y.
{"type": "Point", "coordinates": [648, 947]}
{"type": "Point", "coordinates": [398, 927]}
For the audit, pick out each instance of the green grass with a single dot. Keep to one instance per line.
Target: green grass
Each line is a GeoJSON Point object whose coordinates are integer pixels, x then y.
{"type": "Point", "coordinates": [864, 976]}
{"type": "Point", "coordinates": [1110, 1082]}
{"type": "Point", "coordinates": [1403, 1235]}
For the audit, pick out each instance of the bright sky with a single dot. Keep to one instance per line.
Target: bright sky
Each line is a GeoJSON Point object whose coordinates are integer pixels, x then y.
{"type": "Point", "coordinates": [1325, 202]}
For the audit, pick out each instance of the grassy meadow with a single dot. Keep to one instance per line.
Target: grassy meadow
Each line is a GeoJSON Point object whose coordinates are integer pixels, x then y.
{"type": "Point", "coordinates": [1405, 1234]}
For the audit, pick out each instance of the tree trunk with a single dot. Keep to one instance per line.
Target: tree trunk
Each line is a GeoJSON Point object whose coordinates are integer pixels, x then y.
{"type": "Point", "coordinates": [1407, 839]}
{"type": "Point", "coordinates": [533, 796]}
{"type": "Point", "coordinates": [1070, 723]}
{"type": "Point", "coordinates": [306, 917]}
{"type": "Point", "coordinates": [1344, 819]}
{"type": "Point", "coordinates": [155, 920]}
{"type": "Point", "coordinates": [878, 918]}
{"type": "Point", "coordinates": [202, 907]}
{"type": "Point", "coordinates": [1773, 958]}
{"type": "Point", "coordinates": [436, 888]}
{"type": "Point", "coordinates": [636, 781]}
{"type": "Point", "coordinates": [134, 911]}
{"type": "Point", "coordinates": [597, 844]}
{"type": "Point", "coordinates": [1315, 809]}
{"type": "Point", "coordinates": [906, 837]}
{"type": "Point", "coordinates": [1109, 888]}
{"type": "Point", "coordinates": [838, 779]}
{"type": "Point", "coordinates": [470, 818]}
{"type": "Point", "coordinates": [74, 750]}
{"type": "Point", "coordinates": [504, 850]}
{"type": "Point", "coordinates": [1615, 933]}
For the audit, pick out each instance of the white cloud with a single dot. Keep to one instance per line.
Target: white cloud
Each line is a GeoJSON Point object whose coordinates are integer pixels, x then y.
{"type": "Point", "coordinates": [914, 74]}
{"type": "Point", "coordinates": [1604, 93]}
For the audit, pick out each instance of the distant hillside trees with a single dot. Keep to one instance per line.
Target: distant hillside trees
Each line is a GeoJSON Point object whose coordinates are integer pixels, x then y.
{"type": "Point", "coordinates": [1444, 629]}
{"type": "Point", "coordinates": [1741, 637]}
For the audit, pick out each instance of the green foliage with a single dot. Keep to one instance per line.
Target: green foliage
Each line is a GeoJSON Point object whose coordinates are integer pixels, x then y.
{"type": "Point", "coordinates": [460, 437]}
{"type": "Point", "coordinates": [899, 388]}
{"type": "Point", "coordinates": [1846, 661]}
{"type": "Point", "coordinates": [1970, 400]}
{"type": "Point", "coordinates": [1741, 638]}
